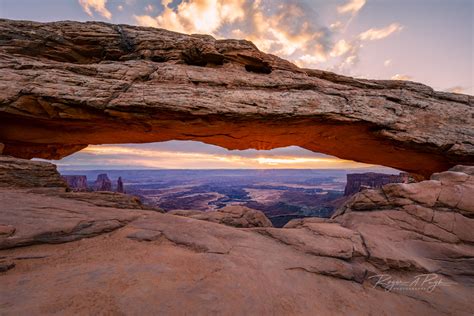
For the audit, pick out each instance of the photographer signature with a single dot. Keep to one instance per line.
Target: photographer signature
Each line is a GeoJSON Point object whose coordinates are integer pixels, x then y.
{"type": "Point", "coordinates": [421, 282]}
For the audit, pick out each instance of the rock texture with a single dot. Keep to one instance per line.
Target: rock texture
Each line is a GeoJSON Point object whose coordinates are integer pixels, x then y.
{"type": "Point", "coordinates": [358, 181]}
{"type": "Point", "coordinates": [22, 173]}
{"type": "Point", "coordinates": [451, 192]}
{"type": "Point", "coordinates": [76, 183]}
{"type": "Point", "coordinates": [101, 83]}
{"type": "Point", "coordinates": [235, 215]}
{"type": "Point", "coordinates": [85, 259]}
{"type": "Point", "coordinates": [102, 183]}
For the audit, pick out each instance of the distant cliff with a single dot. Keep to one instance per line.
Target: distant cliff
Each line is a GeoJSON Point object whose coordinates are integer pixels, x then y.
{"type": "Point", "coordinates": [102, 183]}
{"type": "Point", "coordinates": [358, 181]}
{"type": "Point", "coordinates": [76, 183]}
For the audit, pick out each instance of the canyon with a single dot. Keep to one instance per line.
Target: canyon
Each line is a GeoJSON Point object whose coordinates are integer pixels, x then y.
{"type": "Point", "coordinates": [401, 248]}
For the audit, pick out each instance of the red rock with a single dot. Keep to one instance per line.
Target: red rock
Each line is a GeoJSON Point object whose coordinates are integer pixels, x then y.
{"type": "Point", "coordinates": [137, 84]}
{"type": "Point", "coordinates": [101, 243]}
{"type": "Point", "coordinates": [233, 215]}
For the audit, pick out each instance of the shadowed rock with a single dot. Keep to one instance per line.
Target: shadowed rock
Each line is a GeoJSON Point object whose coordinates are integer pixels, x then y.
{"type": "Point", "coordinates": [101, 83]}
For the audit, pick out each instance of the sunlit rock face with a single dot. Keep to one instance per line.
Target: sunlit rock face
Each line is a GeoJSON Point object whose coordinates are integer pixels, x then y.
{"type": "Point", "coordinates": [99, 83]}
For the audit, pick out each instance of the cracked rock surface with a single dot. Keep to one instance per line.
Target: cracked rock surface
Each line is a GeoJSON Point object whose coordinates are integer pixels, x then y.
{"type": "Point", "coordinates": [68, 256]}
{"type": "Point", "coordinates": [101, 83]}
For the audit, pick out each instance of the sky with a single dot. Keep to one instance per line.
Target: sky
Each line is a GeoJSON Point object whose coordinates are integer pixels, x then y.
{"type": "Point", "coordinates": [428, 41]}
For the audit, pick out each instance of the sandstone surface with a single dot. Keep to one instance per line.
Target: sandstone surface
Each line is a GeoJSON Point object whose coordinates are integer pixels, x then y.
{"type": "Point", "coordinates": [28, 174]}
{"type": "Point", "coordinates": [65, 255]}
{"type": "Point", "coordinates": [235, 215]}
{"type": "Point", "coordinates": [101, 83]}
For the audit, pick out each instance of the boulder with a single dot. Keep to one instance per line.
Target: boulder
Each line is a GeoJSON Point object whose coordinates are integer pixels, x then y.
{"type": "Point", "coordinates": [235, 215]}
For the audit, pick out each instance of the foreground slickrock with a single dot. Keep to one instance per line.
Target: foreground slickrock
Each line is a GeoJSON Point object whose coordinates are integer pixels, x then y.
{"type": "Point", "coordinates": [63, 255]}
{"type": "Point", "coordinates": [100, 83]}
{"type": "Point", "coordinates": [235, 215]}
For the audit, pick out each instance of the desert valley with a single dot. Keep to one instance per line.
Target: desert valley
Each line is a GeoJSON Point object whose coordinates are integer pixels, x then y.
{"type": "Point", "coordinates": [282, 195]}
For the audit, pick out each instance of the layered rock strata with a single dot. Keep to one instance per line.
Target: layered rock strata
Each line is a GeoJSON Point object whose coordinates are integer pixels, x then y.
{"type": "Point", "coordinates": [22, 173]}
{"type": "Point", "coordinates": [102, 83]}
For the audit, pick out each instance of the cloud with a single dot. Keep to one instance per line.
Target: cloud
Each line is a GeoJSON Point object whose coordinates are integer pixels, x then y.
{"type": "Point", "coordinates": [352, 6]}
{"type": "Point", "coordinates": [377, 34]}
{"type": "Point", "coordinates": [387, 62]}
{"type": "Point", "coordinates": [336, 26]}
{"type": "Point", "coordinates": [96, 5]}
{"type": "Point", "coordinates": [149, 8]}
{"type": "Point", "coordinates": [120, 7]}
{"type": "Point", "coordinates": [456, 89]}
{"type": "Point", "coordinates": [401, 77]}
{"type": "Point", "coordinates": [285, 28]}
{"type": "Point", "coordinates": [143, 156]}
{"type": "Point", "coordinates": [341, 48]}
{"type": "Point", "coordinates": [195, 16]}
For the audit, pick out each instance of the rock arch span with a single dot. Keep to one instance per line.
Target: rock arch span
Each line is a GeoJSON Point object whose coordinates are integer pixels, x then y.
{"type": "Point", "coordinates": [67, 85]}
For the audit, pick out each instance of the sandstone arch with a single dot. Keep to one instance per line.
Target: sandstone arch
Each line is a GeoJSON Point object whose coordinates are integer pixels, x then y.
{"type": "Point", "coordinates": [67, 85]}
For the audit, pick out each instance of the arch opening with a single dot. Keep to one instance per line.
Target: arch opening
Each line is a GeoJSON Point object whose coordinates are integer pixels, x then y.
{"type": "Point", "coordinates": [284, 183]}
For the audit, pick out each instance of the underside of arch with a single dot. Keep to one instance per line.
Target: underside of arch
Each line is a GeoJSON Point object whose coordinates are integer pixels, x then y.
{"type": "Point", "coordinates": [67, 85]}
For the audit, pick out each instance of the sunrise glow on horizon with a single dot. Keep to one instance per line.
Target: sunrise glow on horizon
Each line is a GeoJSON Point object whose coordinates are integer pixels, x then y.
{"type": "Point", "coordinates": [195, 155]}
